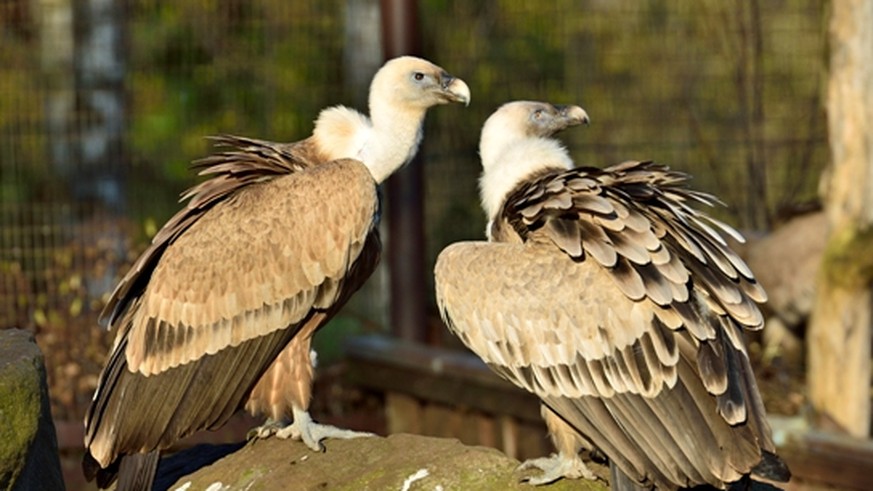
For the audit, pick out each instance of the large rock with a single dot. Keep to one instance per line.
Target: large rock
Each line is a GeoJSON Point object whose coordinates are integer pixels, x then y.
{"type": "Point", "coordinates": [28, 444]}
{"type": "Point", "coordinates": [398, 462]}
{"type": "Point", "coordinates": [786, 262]}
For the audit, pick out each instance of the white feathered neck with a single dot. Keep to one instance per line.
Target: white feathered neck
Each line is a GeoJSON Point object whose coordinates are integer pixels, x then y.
{"type": "Point", "coordinates": [508, 160]}
{"type": "Point", "coordinates": [384, 142]}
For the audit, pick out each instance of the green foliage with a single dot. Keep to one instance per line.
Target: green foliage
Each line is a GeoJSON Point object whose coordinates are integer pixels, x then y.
{"type": "Point", "coordinates": [695, 85]}
{"type": "Point", "coordinates": [691, 83]}
{"type": "Point", "coordinates": [203, 68]}
{"type": "Point", "coordinates": [58, 292]}
{"type": "Point", "coordinates": [22, 162]}
{"type": "Point", "coordinates": [328, 342]}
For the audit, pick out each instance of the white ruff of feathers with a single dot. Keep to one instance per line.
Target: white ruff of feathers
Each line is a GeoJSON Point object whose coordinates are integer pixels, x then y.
{"type": "Point", "coordinates": [384, 143]}
{"type": "Point", "coordinates": [508, 160]}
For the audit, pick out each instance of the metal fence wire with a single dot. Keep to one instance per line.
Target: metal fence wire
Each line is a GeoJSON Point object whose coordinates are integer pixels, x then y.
{"type": "Point", "coordinates": [103, 104]}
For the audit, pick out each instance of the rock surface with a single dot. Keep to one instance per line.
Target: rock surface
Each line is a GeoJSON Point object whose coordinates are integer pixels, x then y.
{"type": "Point", "coordinates": [399, 462]}
{"type": "Point", "coordinates": [28, 444]}
{"type": "Point", "coordinates": [786, 262]}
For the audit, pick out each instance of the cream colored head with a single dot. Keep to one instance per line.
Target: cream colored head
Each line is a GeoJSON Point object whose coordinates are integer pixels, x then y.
{"type": "Point", "coordinates": [401, 93]}
{"type": "Point", "coordinates": [413, 84]}
{"type": "Point", "coordinates": [517, 141]}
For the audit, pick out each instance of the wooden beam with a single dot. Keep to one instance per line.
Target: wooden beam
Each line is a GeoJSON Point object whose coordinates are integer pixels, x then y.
{"type": "Point", "coordinates": [451, 377]}
{"type": "Point", "coordinates": [830, 458]}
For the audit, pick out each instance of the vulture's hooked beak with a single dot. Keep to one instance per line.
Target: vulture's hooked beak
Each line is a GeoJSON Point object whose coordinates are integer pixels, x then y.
{"type": "Point", "coordinates": [455, 89]}
{"type": "Point", "coordinates": [552, 122]}
{"type": "Point", "coordinates": [572, 115]}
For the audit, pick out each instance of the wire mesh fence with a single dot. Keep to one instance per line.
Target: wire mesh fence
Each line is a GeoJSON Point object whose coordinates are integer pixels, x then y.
{"type": "Point", "coordinates": [103, 104]}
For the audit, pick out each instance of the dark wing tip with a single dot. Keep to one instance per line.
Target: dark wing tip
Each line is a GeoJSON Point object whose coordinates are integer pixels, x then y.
{"type": "Point", "coordinates": [92, 470]}
{"type": "Point", "coordinates": [772, 467]}
{"type": "Point", "coordinates": [90, 467]}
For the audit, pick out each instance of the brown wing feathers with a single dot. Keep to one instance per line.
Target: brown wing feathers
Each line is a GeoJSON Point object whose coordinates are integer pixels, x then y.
{"type": "Point", "coordinates": [188, 401]}
{"type": "Point", "coordinates": [249, 161]}
{"type": "Point", "coordinates": [184, 408]}
{"type": "Point", "coordinates": [284, 263]}
{"type": "Point", "coordinates": [634, 219]}
{"type": "Point", "coordinates": [660, 439]}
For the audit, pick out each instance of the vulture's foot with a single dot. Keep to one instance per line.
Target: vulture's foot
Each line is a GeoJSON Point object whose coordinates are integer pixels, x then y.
{"type": "Point", "coordinates": [266, 430]}
{"type": "Point", "coordinates": [312, 433]}
{"type": "Point", "coordinates": [555, 467]}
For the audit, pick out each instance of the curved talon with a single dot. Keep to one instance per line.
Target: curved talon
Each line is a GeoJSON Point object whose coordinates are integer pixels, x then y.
{"type": "Point", "coordinates": [555, 467]}
{"type": "Point", "coordinates": [266, 430]}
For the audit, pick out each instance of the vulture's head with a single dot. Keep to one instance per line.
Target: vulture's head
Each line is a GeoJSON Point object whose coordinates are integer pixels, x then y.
{"type": "Point", "coordinates": [518, 141]}
{"type": "Point", "coordinates": [525, 119]}
{"type": "Point", "coordinates": [410, 83]}
{"type": "Point", "coordinates": [401, 93]}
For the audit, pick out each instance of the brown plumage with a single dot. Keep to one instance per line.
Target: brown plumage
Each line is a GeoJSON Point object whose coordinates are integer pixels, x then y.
{"type": "Point", "coordinates": [219, 311]}
{"type": "Point", "coordinates": [610, 296]}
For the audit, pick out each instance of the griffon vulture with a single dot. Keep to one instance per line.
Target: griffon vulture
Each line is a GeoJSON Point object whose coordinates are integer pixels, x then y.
{"type": "Point", "coordinates": [219, 311]}
{"type": "Point", "coordinates": [608, 295]}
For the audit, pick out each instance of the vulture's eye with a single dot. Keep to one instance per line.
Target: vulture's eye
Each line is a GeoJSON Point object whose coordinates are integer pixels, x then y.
{"type": "Point", "coordinates": [418, 76]}
{"type": "Point", "coordinates": [538, 114]}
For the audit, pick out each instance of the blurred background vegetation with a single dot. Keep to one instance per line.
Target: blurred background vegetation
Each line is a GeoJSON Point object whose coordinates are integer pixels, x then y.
{"type": "Point", "coordinates": [104, 104]}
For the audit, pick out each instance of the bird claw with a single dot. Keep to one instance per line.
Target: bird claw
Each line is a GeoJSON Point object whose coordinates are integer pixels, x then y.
{"type": "Point", "coordinates": [555, 467]}
{"type": "Point", "coordinates": [266, 430]}
{"type": "Point", "coordinates": [312, 433]}
{"type": "Point", "coordinates": [303, 429]}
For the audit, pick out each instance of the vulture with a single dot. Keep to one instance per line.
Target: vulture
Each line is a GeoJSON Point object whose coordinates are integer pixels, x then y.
{"type": "Point", "coordinates": [218, 313]}
{"type": "Point", "coordinates": [611, 297]}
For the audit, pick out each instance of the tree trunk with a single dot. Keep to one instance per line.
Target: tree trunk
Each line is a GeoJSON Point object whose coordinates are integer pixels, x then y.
{"type": "Point", "coordinates": [362, 48]}
{"type": "Point", "coordinates": [83, 64]}
{"type": "Point", "coordinates": [55, 21]}
{"type": "Point", "coordinates": [404, 195]}
{"type": "Point", "coordinates": [102, 120]}
{"type": "Point", "coordinates": [840, 328]}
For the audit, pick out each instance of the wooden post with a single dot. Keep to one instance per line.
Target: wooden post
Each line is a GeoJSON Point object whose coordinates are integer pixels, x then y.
{"type": "Point", "coordinates": [405, 210]}
{"type": "Point", "coordinates": [840, 328]}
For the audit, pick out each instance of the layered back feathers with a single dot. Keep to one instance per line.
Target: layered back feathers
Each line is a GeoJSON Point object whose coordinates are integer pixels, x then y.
{"type": "Point", "coordinates": [607, 293]}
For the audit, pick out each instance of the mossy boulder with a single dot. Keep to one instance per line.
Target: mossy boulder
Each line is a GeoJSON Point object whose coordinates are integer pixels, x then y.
{"type": "Point", "coordinates": [28, 443]}
{"type": "Point", "coordinates": [398, 462]}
